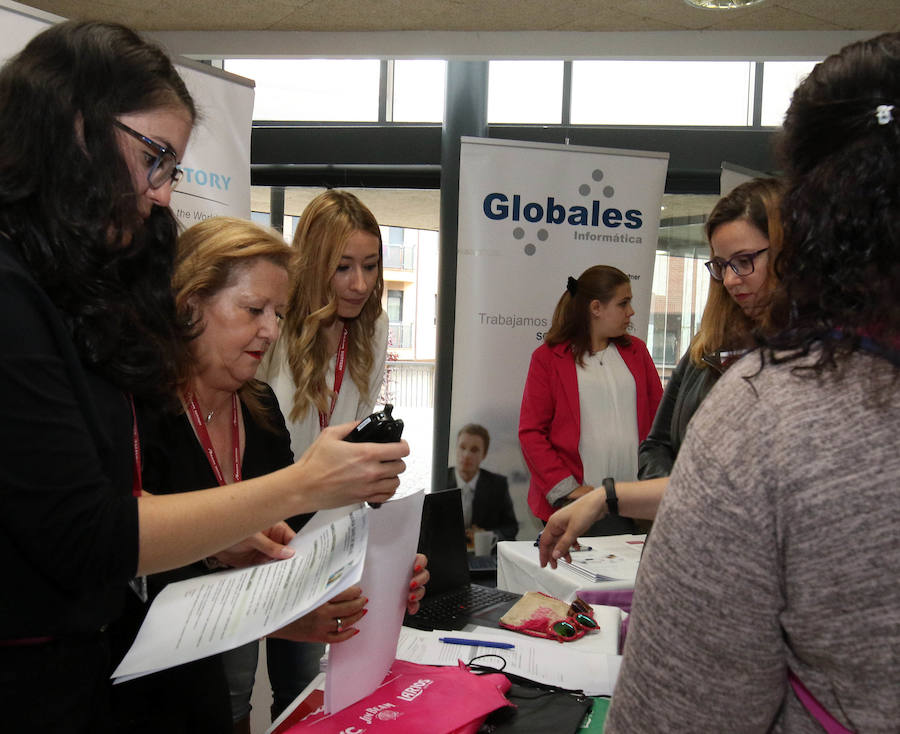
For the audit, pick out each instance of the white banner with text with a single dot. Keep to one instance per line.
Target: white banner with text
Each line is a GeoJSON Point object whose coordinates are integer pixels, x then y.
{"type": "Point", "coordinates": [530, 215]}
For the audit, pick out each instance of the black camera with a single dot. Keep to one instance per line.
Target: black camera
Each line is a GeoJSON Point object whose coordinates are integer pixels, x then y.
{"type": "Point", "coordinates": [379, 427]}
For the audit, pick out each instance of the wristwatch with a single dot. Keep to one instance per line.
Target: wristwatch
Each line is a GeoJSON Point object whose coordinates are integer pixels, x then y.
{"type": "Point", "coordinates": [612, 502]}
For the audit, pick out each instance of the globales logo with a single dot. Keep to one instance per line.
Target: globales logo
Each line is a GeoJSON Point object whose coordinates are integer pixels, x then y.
{"type": "Point", "coordinates": [619, 227]}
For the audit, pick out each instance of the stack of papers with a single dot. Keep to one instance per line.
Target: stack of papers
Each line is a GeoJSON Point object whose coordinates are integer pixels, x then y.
{"type": "Point", "coordinates": [595, 566]}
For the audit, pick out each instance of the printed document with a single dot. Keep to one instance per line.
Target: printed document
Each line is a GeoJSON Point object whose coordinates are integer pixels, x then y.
{"type": "Point", "coordinates": [203, 616]}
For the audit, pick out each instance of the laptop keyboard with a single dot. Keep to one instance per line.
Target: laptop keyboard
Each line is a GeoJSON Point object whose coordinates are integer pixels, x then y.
{"type": "Point", "coordinates": [462, 602]}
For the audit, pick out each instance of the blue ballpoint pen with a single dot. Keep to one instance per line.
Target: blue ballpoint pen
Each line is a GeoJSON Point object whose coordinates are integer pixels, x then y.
{"type": "Point", "coordinates": [476, 643]}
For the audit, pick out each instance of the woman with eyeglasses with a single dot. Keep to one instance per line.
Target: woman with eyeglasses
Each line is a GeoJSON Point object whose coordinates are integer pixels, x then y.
{"type": "Point", "coordinates": [768, 593]}
{"type": "Point", "coordinates": [744, 232]}
{"type": "Point", "coordinates": [92, 119]}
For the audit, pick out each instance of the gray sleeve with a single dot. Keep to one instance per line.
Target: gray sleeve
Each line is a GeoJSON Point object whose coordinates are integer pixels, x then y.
{"type": "Point", "coordinates": [562, 489]}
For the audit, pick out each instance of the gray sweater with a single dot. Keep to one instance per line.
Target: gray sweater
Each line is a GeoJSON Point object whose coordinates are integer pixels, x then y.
{"type": "Point", "coordinates": [777, 546]}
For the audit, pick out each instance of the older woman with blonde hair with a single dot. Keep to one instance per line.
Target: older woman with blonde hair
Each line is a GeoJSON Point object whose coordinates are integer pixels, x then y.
{"type": "Point", "coordinates": [231, 291]}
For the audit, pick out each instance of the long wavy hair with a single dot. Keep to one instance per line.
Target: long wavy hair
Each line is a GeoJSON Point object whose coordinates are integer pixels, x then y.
{"type": "Point", "coordinates": [572, 315]}
{"type": "Point", "coordinates": [210, 256]}
{"type": "Point", "coordinates": [724, 325]}
{"type": "Point", "coordinates": [840, 267]}
{"type": "Point", "coordinates": [325, 226]}
{"type": "Point", "coordinates": [68, 204]}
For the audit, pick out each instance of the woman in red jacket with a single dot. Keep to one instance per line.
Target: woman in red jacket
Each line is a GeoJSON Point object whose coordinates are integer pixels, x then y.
{"type": "Point", "coordinates": [589, 400]}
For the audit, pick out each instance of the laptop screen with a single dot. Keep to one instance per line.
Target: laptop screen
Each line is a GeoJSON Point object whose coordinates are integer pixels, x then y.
{"type": "Point", "coordinates": [443, 539]}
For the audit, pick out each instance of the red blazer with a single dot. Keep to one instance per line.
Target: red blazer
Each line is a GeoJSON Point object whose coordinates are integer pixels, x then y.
{"type": "Point", "coordinates": [550, 418]}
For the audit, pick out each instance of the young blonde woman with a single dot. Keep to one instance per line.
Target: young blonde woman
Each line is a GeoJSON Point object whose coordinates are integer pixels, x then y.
{"type": "Point", "coordinates": [589, 399]}
{"type": "Point", "coordinates": [328, 365]}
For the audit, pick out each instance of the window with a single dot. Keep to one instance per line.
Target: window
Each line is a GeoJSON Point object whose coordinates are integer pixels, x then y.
{"type": "Point", "coordinates": [780, 79]}
{"type": "Point", "coordinates": [312, 89]}
{"type": "Point", "coordinates": [395, 305]}
{"type": "Point", "coordinates": [525, 92]}
{"type": "Point", "coordinates": [419, 91]}
{"type": "Point", "coordinates": [662, 92]}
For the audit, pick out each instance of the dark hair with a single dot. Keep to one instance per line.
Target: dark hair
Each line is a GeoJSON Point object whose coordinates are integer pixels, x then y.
{"type": "Point", "coordinates": [475, 429]}
{"type": "Point", "coordinates": [572, 316]}
{"type": "Point", "coordinates": [840, 266]}
{"type": "Point", "coordinates": [67, 199]}
{"type": "Point", "coordinates": [724, 324]}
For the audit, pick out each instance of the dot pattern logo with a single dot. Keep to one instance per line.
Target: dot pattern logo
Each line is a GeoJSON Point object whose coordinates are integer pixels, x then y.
{"type": "Point", "coordinates": [585, 190]}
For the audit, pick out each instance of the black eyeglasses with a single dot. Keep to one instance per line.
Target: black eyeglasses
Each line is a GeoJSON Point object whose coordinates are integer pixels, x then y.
{"type": "Point", "coordinates": [741, 264]}
{"type": "Point", "coordinates": [164, 167]}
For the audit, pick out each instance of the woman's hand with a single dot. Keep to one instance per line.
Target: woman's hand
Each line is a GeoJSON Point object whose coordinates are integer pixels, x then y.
{"type": "Point", "coordinates": [565, 525]}
{"type": "Point", "coordinates": [417, 583]}
{"type": "Point", "coordinates": [268, 545]}
{"type": "Point", "coordinates": [332, 622]}
{"type": "Point", "coordinates": [342, 473]}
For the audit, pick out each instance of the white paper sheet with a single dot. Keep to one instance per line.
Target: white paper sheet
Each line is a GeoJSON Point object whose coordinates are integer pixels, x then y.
{"type": "Point", "coordinates": [358, 666]}
{"type": "Point", "coordinates": [210, 614]}
{"type": "Point", "coordinates": [563, 665]}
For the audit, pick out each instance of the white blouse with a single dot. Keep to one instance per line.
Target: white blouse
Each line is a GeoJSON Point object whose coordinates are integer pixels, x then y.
{"type": "Point", "coordinates": [350, 405]}
{"type": "Point", "coordinates": [607, 396]}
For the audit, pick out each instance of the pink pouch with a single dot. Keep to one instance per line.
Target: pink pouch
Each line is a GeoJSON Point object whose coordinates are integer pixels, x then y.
{"type": "Point", "coordinates": [541, 615]}
{"type": "Point", "coordinates": [439, 700]}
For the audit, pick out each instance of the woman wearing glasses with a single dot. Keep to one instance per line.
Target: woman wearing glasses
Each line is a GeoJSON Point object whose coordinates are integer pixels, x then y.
{"type": "Point", "coordinates": [767, 596]}
{"type": "Point", "coordinates": [744, 233]}
{"type": "Point", "coordinates": [86, 251]}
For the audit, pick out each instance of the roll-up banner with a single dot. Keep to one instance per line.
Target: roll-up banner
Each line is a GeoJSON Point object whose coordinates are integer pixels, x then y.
{"type": "Point", "coordinates": [217, 162]}
{"type": "Point", "coordinates": [530, 215]}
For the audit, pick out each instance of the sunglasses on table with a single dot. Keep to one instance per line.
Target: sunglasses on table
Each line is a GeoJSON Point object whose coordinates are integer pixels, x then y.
{"type": "Point", "coordinates": [580, 620]}
{"type": "Point", "coordinates": [164, 167]}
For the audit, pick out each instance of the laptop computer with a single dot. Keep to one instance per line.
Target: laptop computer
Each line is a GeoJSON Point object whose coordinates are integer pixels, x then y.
{"type": "Point", "coordinates": [452, 601]}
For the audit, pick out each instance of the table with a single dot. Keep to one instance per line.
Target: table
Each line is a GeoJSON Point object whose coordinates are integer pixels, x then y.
{"type": "Point", "coordinates": [519, 570]}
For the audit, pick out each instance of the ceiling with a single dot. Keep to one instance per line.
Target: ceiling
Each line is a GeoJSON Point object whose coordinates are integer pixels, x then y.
{"type": "Point", "coordinates": [372, 24]}
{"type": "Point", "coordinates": [480, 15]}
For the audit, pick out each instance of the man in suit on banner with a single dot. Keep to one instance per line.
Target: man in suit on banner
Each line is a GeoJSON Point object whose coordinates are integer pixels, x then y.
{"type": "Point", "coordinates": [485, 495]}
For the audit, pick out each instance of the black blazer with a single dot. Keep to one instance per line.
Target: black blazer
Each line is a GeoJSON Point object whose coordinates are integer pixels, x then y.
{"type": "Point", "coordinates": [492, 507]}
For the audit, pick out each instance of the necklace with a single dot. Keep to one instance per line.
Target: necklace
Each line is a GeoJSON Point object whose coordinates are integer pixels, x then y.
{"type": "Point", "coordinates": [210, 415]}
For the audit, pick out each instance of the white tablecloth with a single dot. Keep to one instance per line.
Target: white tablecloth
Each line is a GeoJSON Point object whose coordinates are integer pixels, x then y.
{"type": "Point", "coordinates": [518, 568]}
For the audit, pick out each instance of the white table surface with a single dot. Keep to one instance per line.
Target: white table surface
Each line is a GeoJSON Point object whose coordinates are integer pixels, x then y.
{"type": "Point", "coordinates": [519, 570]}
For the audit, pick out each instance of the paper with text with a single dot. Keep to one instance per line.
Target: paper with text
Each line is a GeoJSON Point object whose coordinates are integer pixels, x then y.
{"type": "Point", "coordinates": [209, 614]}
{"type": "Point", "coordinates": [393, 537]}
{"type": "Point", "coordinates": [563, 665]}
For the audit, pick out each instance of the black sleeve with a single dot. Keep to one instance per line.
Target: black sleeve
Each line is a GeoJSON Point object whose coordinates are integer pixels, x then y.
{"type": "Point", "coordinates": [657, 454]}
{"type": "Point", "coordinates": [509, 526]}
{"type": "Point", "coordinates": [68, 515]}
{"type": "Point", "coordinates": [277, 441]}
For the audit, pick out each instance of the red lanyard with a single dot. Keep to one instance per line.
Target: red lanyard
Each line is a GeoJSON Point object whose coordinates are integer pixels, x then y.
{"type": "Point", "coordinates": [340, 365]}
{"type": "Point", "coordinates": [137, 485]}
{"type": "Point", "coordinates": [203, 437]}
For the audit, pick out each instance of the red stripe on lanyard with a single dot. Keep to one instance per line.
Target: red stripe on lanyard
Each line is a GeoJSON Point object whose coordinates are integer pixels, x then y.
{"type": "Point", "coordinates": [203, 437]}
{"type": "Point", "coordinates": [137, 484]}
{"type": "Point", "coordinates": [340, 364]}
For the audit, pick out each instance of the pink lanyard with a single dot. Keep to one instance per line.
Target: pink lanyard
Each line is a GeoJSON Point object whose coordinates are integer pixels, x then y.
{"type": "Point", "coordinates": [203, 437]}
{"type": "Point", "coordinates": [340, 365]}
{"type": "Point", "coordinates": [137, 484]}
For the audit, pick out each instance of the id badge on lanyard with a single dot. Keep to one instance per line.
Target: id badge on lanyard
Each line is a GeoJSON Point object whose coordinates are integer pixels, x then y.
{"type": "Point", "coordinates": [139, 583]}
